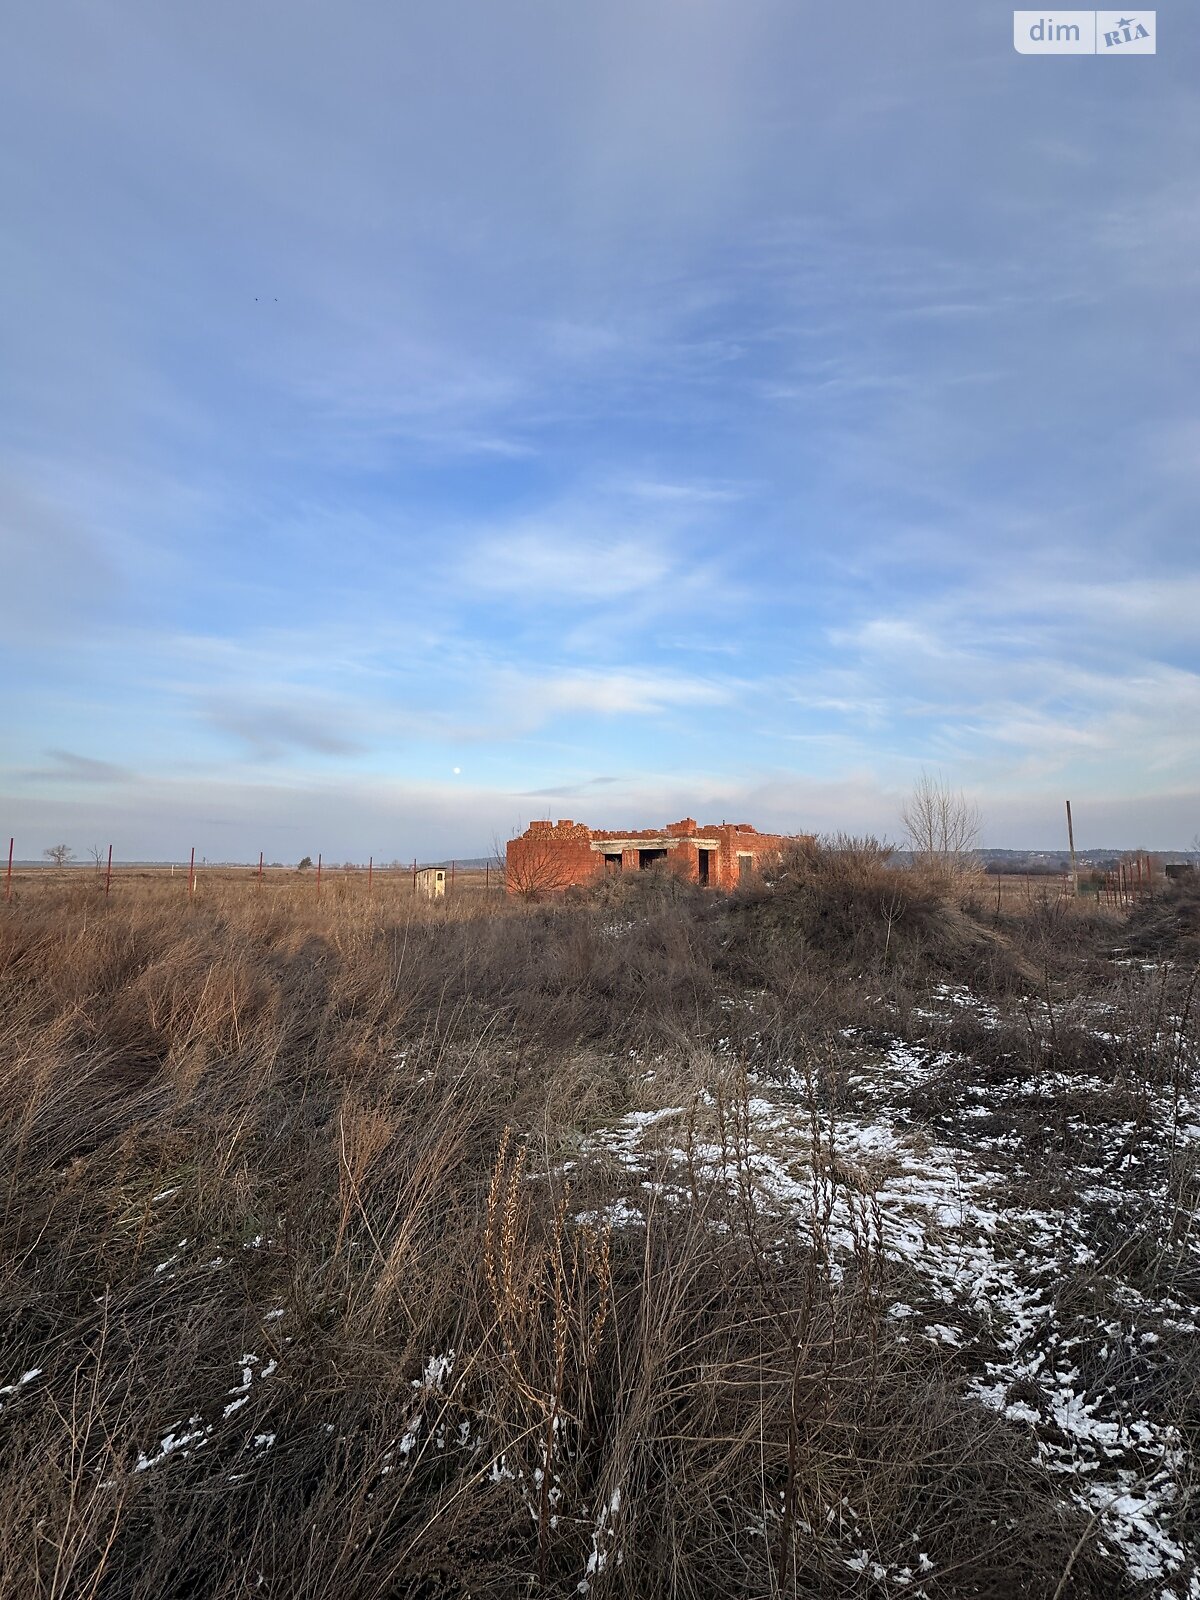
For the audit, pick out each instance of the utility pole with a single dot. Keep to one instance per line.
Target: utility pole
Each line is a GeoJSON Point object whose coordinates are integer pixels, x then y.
{"type": "Point", "coordinates": [1071, 842]}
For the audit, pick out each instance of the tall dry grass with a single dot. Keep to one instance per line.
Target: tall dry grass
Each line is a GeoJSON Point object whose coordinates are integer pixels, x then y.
{"type": "Point", "coordinates": [286, 1240]}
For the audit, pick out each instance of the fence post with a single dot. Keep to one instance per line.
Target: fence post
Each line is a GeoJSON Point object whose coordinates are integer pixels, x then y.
{"type": "Point", "coordinates": [414, 874]}
{"type": "Point", "coordinates": [370, 874]}
{"type": "Point", "coordinates": [192, 875]}
{"type": "Point", "coordinates": [318, 874]}
{"type": "Point", "coordinates": [487, 874]}
{"type": "Point", "coordinates": [108, 873]}
{"type": "Point", "coordinates": [452, 874]}
{"type": "Point", "coordinates": [8, 874]}
{"type": "Point", "coordinates": [1071, 842]}
{"type": "Point", "coordinates": [260, 866]}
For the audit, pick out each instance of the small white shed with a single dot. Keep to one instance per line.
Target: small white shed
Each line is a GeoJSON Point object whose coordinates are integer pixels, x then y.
{"type": "Point", "coordinates": [431, 882]}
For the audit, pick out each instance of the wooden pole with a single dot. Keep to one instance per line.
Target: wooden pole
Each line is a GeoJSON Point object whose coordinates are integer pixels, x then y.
{"type": "Point", "coordinates": [260, 866]}
{"type": "Point", "coordinates": [8, 874]}
{"type": "Point", "coordinates": [1071, 842]}
{"type": "Point", "coordinates": [414, 874]}
{"type": "Point", "coordinates": [108, 873]}
{"type": "Point", "coordinates": [318, 874]}
{"type": "Point", "coordinates": [192, 874]}
{"type": "Point", "coordinates": [452, 874]}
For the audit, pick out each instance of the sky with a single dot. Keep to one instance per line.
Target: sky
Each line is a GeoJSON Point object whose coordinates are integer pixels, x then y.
{"type": "Point", "coordinates": [415, 420]}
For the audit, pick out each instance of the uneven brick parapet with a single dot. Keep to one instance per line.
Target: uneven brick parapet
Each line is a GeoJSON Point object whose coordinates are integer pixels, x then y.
{"type": "Point", "coordinates": [551, 856]}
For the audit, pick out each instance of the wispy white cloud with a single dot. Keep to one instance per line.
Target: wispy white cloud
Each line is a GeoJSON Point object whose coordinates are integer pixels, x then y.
{"type": "Point", "coordinates": [552, 562]}
{"type": "Point", "coordinates": [533, 700]}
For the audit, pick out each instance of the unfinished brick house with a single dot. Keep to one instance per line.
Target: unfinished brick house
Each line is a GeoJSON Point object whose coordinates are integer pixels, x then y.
{"type": "Point", "coordinates": [561, 855]}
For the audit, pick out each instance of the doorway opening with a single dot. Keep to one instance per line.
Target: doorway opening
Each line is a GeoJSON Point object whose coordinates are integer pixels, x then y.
{"type": "Point", "coordinates": [705, 866]}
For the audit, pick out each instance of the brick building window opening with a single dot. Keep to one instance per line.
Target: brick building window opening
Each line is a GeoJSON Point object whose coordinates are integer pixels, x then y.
{"type": "Point", "coordinates": [705, 871]}
{"type": "Point", "coordinates": [612, 861]}
{"type": "Point", "coordinates": [647, 858]}
{"type": "Point", "coordinates": [745, 866]}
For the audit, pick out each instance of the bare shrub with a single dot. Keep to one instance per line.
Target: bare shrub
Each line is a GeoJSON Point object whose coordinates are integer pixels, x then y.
{"type": "Point", "coordinates": [536, 870]}
{"type": "Point", "coordinates": [845, 900]}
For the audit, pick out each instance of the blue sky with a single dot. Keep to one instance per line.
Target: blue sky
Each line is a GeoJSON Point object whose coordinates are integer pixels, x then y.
{"type": "Point", "coordinates": [414, 420]}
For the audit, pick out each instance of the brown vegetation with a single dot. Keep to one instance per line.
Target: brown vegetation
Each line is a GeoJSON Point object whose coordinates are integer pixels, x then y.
{"type": "Point", "coordinates": [300, 1238]}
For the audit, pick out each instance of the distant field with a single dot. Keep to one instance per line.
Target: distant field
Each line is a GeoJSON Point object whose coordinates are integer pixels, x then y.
{"type": "Point", "coordinates": [833, 1239]}
{"type": "Point", "coordinates": [338, 884]}
{"type": "Point", "coordinates": [1018, 890]}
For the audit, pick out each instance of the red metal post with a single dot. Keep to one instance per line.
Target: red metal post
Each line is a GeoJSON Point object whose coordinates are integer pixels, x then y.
{"type": "Point", "coordinates": [370, 874]}
{"type": "Point", "coordinates": [414, 874]}
{"type": "Point", "coordinates": [452, 874]}
{"type": "Point", "coordinates": [8, 874]}
{"type": "Point", "coordinates": [487, 874]}
{"type": "Point", "coordinates": [108, 874]}
{"type": "Point", "coordinates": [192, 874]}
{"type": "Point", "coordinates": [318, 874]}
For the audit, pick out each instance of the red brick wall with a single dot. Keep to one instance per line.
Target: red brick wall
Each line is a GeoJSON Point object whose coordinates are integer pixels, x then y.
{"type": "Point", "coordinates": [553, 856]}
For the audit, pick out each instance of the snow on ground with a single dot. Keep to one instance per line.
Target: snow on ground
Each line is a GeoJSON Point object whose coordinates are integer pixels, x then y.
{"type": "Point", "coordinates": [195, 1433]}
{"type": "Point", "coordinates": [25, 1378]}
{"type": "Point", "coordinates": [947, 1199]}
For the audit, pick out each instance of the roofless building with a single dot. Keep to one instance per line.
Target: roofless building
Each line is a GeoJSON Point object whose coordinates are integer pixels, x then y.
{"type": "Point", "coordinates": [564, 854]}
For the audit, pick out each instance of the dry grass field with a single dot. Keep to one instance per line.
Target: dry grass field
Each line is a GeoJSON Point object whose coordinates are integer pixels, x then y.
{"type": "Point", "coordinates": [835, 1238]}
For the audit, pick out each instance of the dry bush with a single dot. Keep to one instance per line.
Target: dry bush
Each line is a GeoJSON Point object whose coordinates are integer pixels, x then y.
{"type": "Point", "coordinates": [536, 870]}
{"type": "Point", "coordinates": [1167, 923]}
{"type": "Point", "coordinates": [841, 905]}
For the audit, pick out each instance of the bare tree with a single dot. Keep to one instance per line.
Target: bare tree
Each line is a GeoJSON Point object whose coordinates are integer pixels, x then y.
{"type": "Point", "coordinates": [59, 854]}
{"type": "Point", "coordinates": [942, 830]}
{"type": "Point", "coordinates": [97, 855]}
{"type": "Point", "coordinates": [537, 868]}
